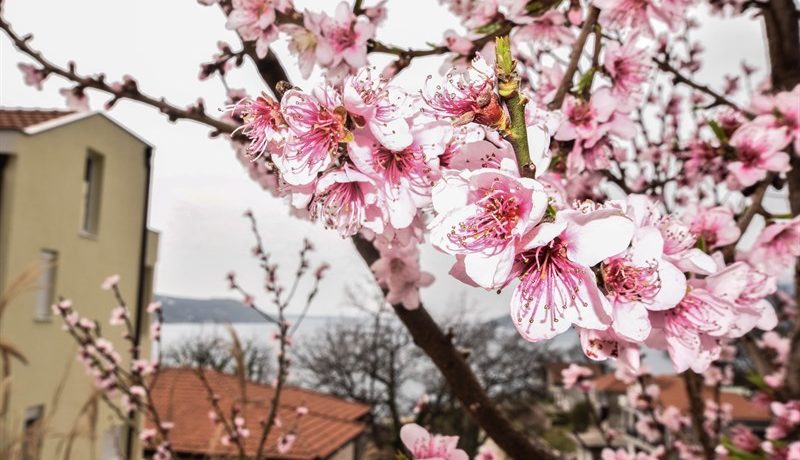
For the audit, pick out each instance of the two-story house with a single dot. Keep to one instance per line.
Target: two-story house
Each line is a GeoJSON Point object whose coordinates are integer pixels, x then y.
{"type": "Point", "coordinates": [74, 196]}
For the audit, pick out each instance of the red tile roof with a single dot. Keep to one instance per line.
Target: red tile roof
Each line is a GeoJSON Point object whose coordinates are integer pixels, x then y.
{"type": "Point", "coordinates": [180, 397]}
{"type": "Point", "coordinates": [673, 393]}
{"type": "Point", "coordinates": [19, 119]}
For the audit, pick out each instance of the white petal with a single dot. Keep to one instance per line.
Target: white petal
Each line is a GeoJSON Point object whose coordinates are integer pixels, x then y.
{"type": "Point", "coordinates": [673, 287]}
{"type": "Point", "coordinates": [449, 193]}
{"type": "Point", "coordinates": [490, 272]}
{"type": "Point", "coordinates": [631, 321]}
{"type": "Point", "coordinates": [592, 239]}
{"type": "Point", "coordinates": [394, 134]}
{"type": "Point", "coordinates": [647, 246]}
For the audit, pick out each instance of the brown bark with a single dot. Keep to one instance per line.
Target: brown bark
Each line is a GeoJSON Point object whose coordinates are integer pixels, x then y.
{"type": "Point", "coordinates": [463, 383]}
{"type": "Point", "coordinates": [783, 40]}
{"type": "Point", "coordinates": [574, 57]}
{"type": "Point", "coordinates": [694, 388]}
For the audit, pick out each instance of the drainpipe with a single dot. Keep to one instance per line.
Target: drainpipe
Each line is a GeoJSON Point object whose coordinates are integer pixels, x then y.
{"type": "Point", "coordinates": [140, 300]}
{"type": "Point", "coordinates": [3, 161]}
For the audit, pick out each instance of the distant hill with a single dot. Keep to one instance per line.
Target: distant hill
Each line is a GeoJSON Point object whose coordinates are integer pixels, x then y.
{"type": "Point", "coordinates": [192, 313]}
{"type": "Point", "coordinates": [186, 310]}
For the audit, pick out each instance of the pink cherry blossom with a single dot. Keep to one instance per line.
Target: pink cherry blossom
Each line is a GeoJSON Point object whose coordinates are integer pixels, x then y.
{"type": "Point", "coordinates": [636, 14]}
{"type": "Point", "coordinates": [577, 375]}
{"type": "Point", "coordinates": [549, 28]}
{"type": "Point", "coordinates": [557, 287]}
{"type": "Point", "coordinates": [781, 110]}
{"type": "Point", "coordinates": [425, 446]}
{"type": "Point", "coordinates": [743, 438]}
{"type": "Point", "coordinates": [346, 200]}
{"type": "Point", "coordinates": [75, 99]}
{"type": "Point", "coordinates": [776, 344]}
{"type": "Point", "coordinates": [549, 80]}
{"type": "Point", "coordinates": [109, 283]}
{"type": "Point", "coordinates": [758, 152]}
{"type": "Point", "coordinates": [456, 43]}
{"type": "Point", "coordinates": [286, 442]}
{"type": "Point", "coordinates": [776, 248]}
{"type": "Point", "coordinates": [589, 121]}
{"type": "Point", "coordinates": [466, 95]}
{"type": "Point", "coordinates": [600, 345]}
{"type": "Point", "coordinates": [316, 127]}
{"type": "Point", "coordinates": [473, 13]}
{"type": "Point", "coordinates": [483, 215]}
{"type": "Point", "coordinates": [747, 288]}
{"type": "Point", "coordinates": [343, 38]}
{"type": "Point", "coordinates": [33, 75]}
{"type": "Point", "coordinates": [648, 429]}
{"type": "Point", "coordinates": [628, 67]}
{"type": "Point", "coordinates": [692, 330]}
{"type": "Point", "coordinates": [303, 41]}
{"type": "Point", "coordinates": [672, 418]}
{"type": "Point", "coordinates": [405, 175]}
{"type": "Point", "coordinates": [380, 107]}
{"type": "Point", "coordinates": [786, 416]}
{"type": "Point", "coordinates": [263, 124]}
{"type": "Point", "coordinates": [254, 21]}
{"type": "Point", "coordinates": [610, 454]}
{"type": "Point", "coordinates": [641, 280]}
{"type": "Point", "coordinates": [679, 242]}
{"type": "Point", "coordinates": [715, 226]}
{"type": "Point", "coordinates": [486, 452]}
{"type": "Point", "coordinates": [398, 271]}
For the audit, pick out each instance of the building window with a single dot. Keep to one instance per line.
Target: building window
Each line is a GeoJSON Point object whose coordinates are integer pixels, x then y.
{"type": "Point", "coordinates": [48, 259]}
{"type": "Point", "coordinates": [92, 189]}
{"type": "Point", "coordinates": [32, 435]}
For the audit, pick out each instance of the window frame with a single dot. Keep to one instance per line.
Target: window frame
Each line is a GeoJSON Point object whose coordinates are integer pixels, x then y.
{"type": "Point", "coordinates": [92, 192]}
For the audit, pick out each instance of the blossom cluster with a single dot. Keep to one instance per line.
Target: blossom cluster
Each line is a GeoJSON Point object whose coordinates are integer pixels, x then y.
{"type": "Point", "coordinates": [365, 156]}
{"type": "Point", "coordinates": [625, 225]}
{"type": "Point", "coordinates": [125, 387]}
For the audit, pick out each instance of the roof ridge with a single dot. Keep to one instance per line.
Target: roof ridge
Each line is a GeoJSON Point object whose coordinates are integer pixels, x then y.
{"type": "Point", "coordinates": [190, 370]}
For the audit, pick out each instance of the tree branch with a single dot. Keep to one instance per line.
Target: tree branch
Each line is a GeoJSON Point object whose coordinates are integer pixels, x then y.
{"type": "Point", "coordinates": [747, 216]}
{"type": "Point", "coordinates": [131, 92]}
{"type": "Point", "coordinates": [694, 389]}
{"type": "Point", "coordinates": [574, 57]}
{"type": "Point", "coordinates": [719, 99]}
{"type": "Point", "coordinates": [508, 84]}
{"type": "Point", "coordinates": [464, 384]}
{"type": "Point", "coordinates": [783, 39]}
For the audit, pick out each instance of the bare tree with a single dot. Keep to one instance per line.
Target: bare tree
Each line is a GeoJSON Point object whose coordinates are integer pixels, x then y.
{"type": "Point", "coordinates": [213, 352]}
{"type": "Point", "coordinates": [370, 360]}
{"type": "Point", "coordinates": [512, 371]}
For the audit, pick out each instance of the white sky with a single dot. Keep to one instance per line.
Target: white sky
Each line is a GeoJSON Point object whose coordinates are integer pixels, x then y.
{"type": "Point", "coordinates": [199, 189]}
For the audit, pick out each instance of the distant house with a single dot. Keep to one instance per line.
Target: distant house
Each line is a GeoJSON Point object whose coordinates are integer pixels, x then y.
{"type": "Point", "coordinates": [74, 196]}
{"type": "Point", "coordinates": [333, 429]}
{"type": "Point", "coordinates": [609, 396]}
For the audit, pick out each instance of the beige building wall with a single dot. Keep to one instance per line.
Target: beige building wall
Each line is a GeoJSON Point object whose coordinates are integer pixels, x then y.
{"type": "Point", "coordinates": [348, 452]}
{"type": "Point", "coordinates": [42, 206]}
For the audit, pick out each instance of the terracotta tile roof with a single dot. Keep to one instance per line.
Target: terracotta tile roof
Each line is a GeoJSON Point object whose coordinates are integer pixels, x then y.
{"type": "Point", "coordinates": [19, 119]}
{"type": "Point", "coordinates": [609, 383]}
{"type": "Point", "coordinates": [180, 397]}
{"type": "Point", "coordinates": [673, 393]}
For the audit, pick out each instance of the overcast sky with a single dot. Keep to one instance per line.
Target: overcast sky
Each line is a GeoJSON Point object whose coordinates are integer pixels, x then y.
{"type": "Point", "coordinates": [199, 189]}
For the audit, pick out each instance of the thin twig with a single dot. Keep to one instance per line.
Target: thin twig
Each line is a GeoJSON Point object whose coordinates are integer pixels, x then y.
{"type": "Point", "coordinates": [574, 57]}
{"type": "Point", "coordinates": [516, 131]}
{"type": "Point", "coordinates": [124, 92]}
{"type": "Point", "coordinates": [718, 99]}
{"type": "Point", "coordinates": [747, 216]}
